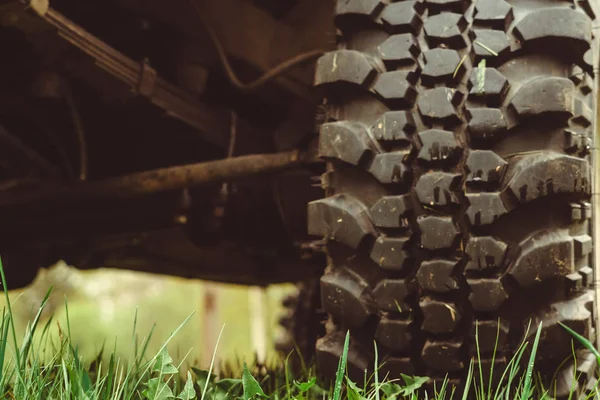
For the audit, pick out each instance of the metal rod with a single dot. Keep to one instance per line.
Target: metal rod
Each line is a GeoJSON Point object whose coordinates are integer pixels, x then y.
{"type": "Point", "coordinates": [154, 181]}
{"type": "Point", "coordinates": [77, 122]}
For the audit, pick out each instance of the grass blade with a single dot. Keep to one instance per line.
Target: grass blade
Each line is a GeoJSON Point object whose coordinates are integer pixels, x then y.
{"type": "Point", "coordinates": [212, 362]}
{"type": "Point", "coordinates": [489, 50]}
{"type": "Point", "coordinates": [339, 377]}
{"type": "Point", "coordinates": [489, 392]}
{"type": "Point", "coordinates": [11, 322]}
{"type": "Point", "coordinates": [3, 343]}
{"type": "Point", "coordinates": [529, 374]}
{"type": "Point", "coordinates": [465, 395]}
{"type": "Point", "coordinates": [151, 362]}
{"type": "Point", "coordinates": [462, 60]}
{"type": "Point", "coordinates": [376, 371]}
{"type": "Point", "coordinates": [584, 341]}
{"type": "Point", "coordinates": [479, 365]}
{"type": "Point", "coordinates": [31, 328]}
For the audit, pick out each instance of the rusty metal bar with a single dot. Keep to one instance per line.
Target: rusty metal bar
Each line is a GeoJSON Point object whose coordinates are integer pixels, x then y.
{"type": "Point", "coordinates": [154, 181]}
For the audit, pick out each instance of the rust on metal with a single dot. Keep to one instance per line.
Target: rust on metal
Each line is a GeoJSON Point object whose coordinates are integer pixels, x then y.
{"type": "Point", "coordinates": [155, 181]}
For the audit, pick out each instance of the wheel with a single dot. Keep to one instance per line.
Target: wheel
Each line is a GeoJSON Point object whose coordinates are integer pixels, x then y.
{"type": "Point", "coordinates": [302, 324]}
{"type": "Point", "coordinates": [458, 140]}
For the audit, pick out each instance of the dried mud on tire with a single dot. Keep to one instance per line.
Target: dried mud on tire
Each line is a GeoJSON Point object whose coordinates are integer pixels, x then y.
{"type": "Point", "coordinates": [457, 193]}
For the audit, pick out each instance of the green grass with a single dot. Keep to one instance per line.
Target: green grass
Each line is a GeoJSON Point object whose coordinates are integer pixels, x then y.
{"type": "Point", "coordinates": [104, 302]}
{"type": "Point", "coordinates": [37, 365]}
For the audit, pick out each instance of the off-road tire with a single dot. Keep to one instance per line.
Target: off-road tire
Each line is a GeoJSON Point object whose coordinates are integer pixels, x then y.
{"type": "Point", "coordinates": [458, 190]}
{"type": "Point", "coordinates": [302, 321]}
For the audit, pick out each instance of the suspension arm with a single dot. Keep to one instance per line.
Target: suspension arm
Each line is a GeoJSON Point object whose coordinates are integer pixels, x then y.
{"type": "Point", "coordinates": [153, 181]}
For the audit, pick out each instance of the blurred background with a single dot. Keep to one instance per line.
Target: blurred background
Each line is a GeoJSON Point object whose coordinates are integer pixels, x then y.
{"type": "Point", "coordinates": [102, 307]}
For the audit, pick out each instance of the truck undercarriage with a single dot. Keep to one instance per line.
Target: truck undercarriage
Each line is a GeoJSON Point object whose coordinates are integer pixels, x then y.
{"type": "Point", "coordinates": [442, 192]}
{"type": "Point", "coordinates": [129, 139]}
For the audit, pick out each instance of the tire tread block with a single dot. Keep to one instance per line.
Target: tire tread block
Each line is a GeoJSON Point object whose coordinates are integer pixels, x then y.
{"type": "Point", "coordinates": [403, 17]}
{"type": "Point", "coordinates": [389, 253]}
{"type": "Point", "coordinates": [440, 65]}
{"type": "Point", "coordinates": [399, 49]}
{"type": "Point", "coordinates": [485, 166]}
{"type": "Point", "coordinates": [393, 367]}
{"type": "Point", "coordinates": [391, 294]}
{"type": "Point", "coordinates": [329, 350]}
{"type": "Point", "coordinates": [488, 335]}
{"type": "Point", "coordinates": [485, 208]}
{"type": "Point", "coordinates": [439, 316]}
{"type": "Point", "coordinates": [545, 173]}
{"type": "Point", "coordinates": [352, 15]}
{"type": "Point", "coordinates": [394, 334]}
{"type": "Point", "coordinates": [555, 345]}
{"type": "Point", "coordinates": [489, 84]}
{"type": "Point", "coordinates": [344, 66]}
{"type": "Point", "coordinates": [544, 95]}
{"type": "Point", "coordinates": [486, 123]}
{"type": "Point", "coordinates": [360, 7]}
{"type": "Point", "coordinates": [443, 356]}
{"type": "Point", "coordinates": [389, 210]}
{"type": "Point", "coordinates": [394, 126]}
{"type": "Point", "coordinates": [437, 276]}
{"type": "Point", "coordinates": [342, 218]}
{"type": "Point", "coordinates": [391, 168]}
{"type": "Point", "coordinates": [438, 188]}
{"type": "Point", "coordinates": [438, 146]}
{"type": "Point", "coordinates": [347, 298]}
{"type": "Point", "coordinates": [487, 294]}
{"type": "Point", "coordinates": [439, 105]}
{"type": "Point", "coordinates": [447, 29]}
{"type": "Point", "coordinates": [346, 141]}
{"type": "Point", "coordinates": [552, 24]}
{"type": "Point", "coordinates": [497, 41]}
{"type": "Point", "coordinates": [496, 14]}
{"type": "Point", "coordinates": [485, 252]}
{"type": "Point", "coordinates": [398, 87]}
{"type": "Point", "coordinates": [437, 232]}
{"type": "Point", "coordinates": [544, 255]}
